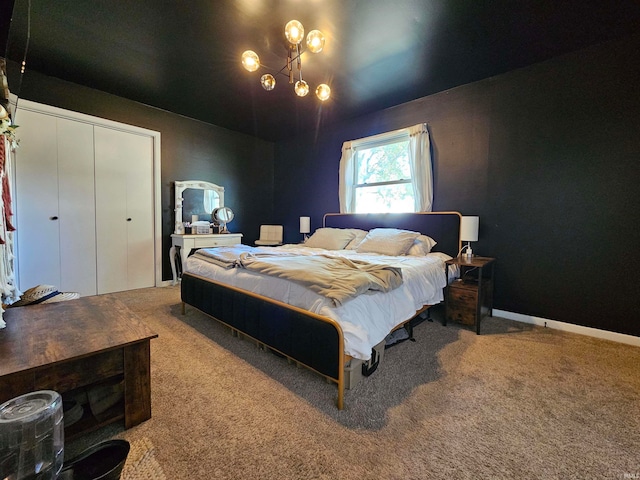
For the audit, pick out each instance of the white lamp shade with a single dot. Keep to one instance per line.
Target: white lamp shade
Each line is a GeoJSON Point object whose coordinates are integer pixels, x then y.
{"type": "Point", "coordinates": [469, 229]}
{"type": "Point", "coordinates": [305, 224]}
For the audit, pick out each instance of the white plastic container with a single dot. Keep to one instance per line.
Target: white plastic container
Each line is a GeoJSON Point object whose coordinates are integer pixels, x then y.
{"type": "Point", "coordinates": [32, 436]}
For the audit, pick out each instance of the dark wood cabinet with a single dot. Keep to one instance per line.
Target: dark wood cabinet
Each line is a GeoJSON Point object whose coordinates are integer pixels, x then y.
{"type": "Point", "coordinates": [469, 299]}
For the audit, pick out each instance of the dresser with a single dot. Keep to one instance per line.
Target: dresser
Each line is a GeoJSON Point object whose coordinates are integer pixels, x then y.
{"type": "Point", "coordinates": [186, 242]}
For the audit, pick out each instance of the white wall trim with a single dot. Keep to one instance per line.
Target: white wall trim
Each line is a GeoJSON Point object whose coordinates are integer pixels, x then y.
{"type": "Point", "coordinates": [154, 135]}
{"type": "Point", "coordinates": [569, 327]}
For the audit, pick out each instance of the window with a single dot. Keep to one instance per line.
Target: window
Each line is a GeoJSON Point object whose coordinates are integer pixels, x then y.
{"type": "Point", "coordinates": [390, 172]}
{"type": "Point", "coordinates": [383, 177]}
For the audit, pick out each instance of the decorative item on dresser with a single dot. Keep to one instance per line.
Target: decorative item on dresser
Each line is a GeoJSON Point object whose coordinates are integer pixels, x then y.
{"type": "Point", "coordinates": [469, 299]}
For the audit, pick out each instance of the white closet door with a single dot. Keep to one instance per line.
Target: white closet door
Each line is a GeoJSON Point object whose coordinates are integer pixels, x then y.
{"type": "Point", "coordinates": [124, 209]}
{"type": "Point", "coordinates": [55, 242]}
{"type": "Point", "coordinates": [77, 207]}
{"type": "Point", "coordinates": [37, 228]}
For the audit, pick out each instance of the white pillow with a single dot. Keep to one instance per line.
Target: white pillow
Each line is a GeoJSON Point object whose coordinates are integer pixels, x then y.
{"type": "Point", "coordinates": [387, 241]}
{"type": "Point", "coordinates": [330, 238]}
{"type": "Point", "coordinates": [359, 236]}
{"type": "Point", "coordinates": [421, 246]}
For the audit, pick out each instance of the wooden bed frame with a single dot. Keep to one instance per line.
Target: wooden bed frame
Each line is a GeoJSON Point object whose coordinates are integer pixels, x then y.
{"type": "Point", "coordinates": [312, 340]}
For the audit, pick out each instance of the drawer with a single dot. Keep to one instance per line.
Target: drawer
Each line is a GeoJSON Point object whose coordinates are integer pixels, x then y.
{"type": "Point", "coordinates": [464, 316]}
{"type": "Point", "coordinates": [206, 242]}
{"type": "Point", "coordinates": [462, 301]}
{"type": "Point", "coordinates": [215, 242]}
{"type": "Point", "coordinates": [461, 306]}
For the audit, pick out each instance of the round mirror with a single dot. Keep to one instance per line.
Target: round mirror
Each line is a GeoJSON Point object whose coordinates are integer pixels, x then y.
{"type": "Point", "coordinates": [223, 215]}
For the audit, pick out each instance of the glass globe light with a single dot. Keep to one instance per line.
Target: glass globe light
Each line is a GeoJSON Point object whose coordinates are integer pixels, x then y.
{"type": "Point", "coordinates": [268, 82]}
{"type": "Point", "coordinates": [315, 41]}
{"type": "Point", "coordinates": [294, 31]}
{"type": "Point", "coordinates": [323, 92]}
{"type": "Point", "coordinates": [301, 88]}
{"type": "Point", "coordinates": [250, 60]}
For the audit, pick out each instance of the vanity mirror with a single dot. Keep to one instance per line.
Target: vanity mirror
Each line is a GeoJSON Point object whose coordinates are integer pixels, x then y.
{"type": "Point", "coordinates": [223, 215]}
{"type": "Point", "coordinates": [196, 198]}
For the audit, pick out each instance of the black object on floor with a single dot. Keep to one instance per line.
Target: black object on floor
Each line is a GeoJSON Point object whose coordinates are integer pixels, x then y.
{"type": "Point", "coordinates": [102, 461]}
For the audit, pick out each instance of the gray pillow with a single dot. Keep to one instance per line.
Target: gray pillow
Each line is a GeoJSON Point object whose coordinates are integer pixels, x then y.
{"type": "Point", "coordinates": [330, 238]}
{"type": "Point", "coordinates": [387, 241]}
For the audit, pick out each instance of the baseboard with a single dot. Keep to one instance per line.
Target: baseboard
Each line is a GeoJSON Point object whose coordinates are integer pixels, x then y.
{"type": "Point", "coordinates": [569, 327]}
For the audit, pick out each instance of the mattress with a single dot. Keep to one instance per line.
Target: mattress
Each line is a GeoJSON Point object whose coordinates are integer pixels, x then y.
{"type": "Point", "coordinates": [365, 320]}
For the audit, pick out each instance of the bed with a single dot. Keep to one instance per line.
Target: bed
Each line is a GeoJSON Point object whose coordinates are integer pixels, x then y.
{"type": "Point", "coordinates": [318, 330]}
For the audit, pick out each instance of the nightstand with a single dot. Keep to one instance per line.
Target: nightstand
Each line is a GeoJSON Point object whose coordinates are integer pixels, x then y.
{"type": "Point", "coordinates": [470, 298]}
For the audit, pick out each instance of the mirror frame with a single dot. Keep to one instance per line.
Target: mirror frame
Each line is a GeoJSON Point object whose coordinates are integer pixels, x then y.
{"type": "Point", "coordinates": [180, 187]}
{"type": "Point", "coordinates": [223, 223]}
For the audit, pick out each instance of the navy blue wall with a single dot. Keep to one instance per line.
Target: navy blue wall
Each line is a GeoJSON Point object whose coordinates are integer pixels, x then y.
{"type": "Point", "coordinates": [548, 157]}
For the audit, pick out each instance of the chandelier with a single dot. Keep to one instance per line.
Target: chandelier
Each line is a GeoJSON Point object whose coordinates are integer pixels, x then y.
{"type": "Point", "coordinates": [294, 33]}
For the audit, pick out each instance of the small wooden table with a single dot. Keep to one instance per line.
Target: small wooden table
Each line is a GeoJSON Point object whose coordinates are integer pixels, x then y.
{"type": "Point", "coordinates": [75, 344]}
{"type": "Point", "coordinates": [470, 299]}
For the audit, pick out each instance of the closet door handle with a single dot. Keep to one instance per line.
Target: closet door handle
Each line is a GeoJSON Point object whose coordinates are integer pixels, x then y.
{"type": "Point", "coordinates": [53, 218]}
{"type": "Point", "coordinates": [128, 219]}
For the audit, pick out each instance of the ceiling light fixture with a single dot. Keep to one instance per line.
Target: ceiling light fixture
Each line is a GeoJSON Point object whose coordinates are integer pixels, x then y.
{"type": "Point", "coordinates": [294, 33]}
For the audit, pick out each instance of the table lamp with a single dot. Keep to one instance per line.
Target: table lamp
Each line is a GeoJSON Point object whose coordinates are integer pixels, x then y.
{"type": "Point", "coordinates": [305, 227]}
{"type": "Point", "coordinates": [469, 232]}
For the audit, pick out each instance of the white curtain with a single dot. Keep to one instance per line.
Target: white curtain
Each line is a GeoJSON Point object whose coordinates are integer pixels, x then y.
{"type": "Point", "coordinates": [419, 159]}
{"type": "Point", "coordinates": [346, 190]}
{"type": "Point", "coordinates": [210, 200]}
{"type": "Point", "coordinates": [421, 170]}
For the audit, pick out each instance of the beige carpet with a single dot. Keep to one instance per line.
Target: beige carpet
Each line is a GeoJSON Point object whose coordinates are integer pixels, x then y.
{"type": "Point", "coordinates": [141, 462]}
{"type": "Point", "coordinates": [516, 402]}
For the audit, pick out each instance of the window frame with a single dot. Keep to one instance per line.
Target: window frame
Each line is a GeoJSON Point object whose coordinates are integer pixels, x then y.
{"type": "Point", "coordinates": [421, 169]}
{"type": "Point", "coordinates": [381, 140]}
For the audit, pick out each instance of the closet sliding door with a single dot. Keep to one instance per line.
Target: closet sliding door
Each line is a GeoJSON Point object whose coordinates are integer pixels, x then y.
{"type": "Point", "coordinates": [87, 209]}
{"type": "Point", "coordinates": [55, 238]}
{"type": "Point", "coordinates": [124, 210]}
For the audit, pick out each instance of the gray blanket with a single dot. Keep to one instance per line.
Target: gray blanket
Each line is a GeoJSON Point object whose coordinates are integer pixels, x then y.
{"type": "Point", "coordinates": [337, 278]}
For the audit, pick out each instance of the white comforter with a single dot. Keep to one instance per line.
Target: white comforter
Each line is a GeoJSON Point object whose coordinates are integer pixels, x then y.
{"type": "Point", "coordinates": [365, 320]}
{"type": "Point", "coordinates": [333, 276]}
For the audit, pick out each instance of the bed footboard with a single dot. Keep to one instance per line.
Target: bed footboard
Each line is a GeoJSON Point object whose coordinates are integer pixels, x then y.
{"type": "Point", "coordinates": [310, 339]}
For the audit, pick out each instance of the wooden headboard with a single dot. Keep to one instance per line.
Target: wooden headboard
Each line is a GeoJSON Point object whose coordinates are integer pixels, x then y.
{"type": "Point", "coordinates": [443, 227]}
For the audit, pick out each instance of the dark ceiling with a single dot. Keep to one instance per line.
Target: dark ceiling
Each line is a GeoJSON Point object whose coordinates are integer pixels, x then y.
{"type": "Point", "coordinates": [184, 56]}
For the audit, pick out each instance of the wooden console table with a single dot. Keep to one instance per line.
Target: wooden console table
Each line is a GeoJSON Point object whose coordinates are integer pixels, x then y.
{"type": "Point", "coordinates": [188, 242]}
{"type": "Point", "coordinates": [70, 345]}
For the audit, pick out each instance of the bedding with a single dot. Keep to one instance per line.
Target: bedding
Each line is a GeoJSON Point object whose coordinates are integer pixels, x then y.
{"type": "Point", "coordinates": [387, 241]}
{"type": "Point", "coordinates": [422, 245]}
{"type": "Point", "coordinates": [330, 238]}
{"type": "Point", "coordinates": [333, 276]}
{"type": "Point", "coordinates": [365, 319]}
